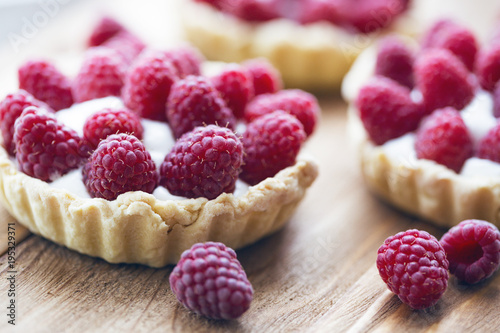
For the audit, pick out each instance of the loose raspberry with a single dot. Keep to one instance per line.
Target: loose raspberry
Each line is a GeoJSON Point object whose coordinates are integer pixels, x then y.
{"type": "Point", "coordinates": [271, 143]}
{"type": "Point", "coordinates": [488, 67]}
{"type": "Point", "coordinates": [496, 101]}
{"type": "Point", "coordinates": [236, 88]}
{"type": "Point", "coordinates": [251, 10]}
{"type": "Point", "coordinates": [186, 59]}
{"type": "Point", "coordinates": [473, 249]}
{"type": "Point", "coordinates": [367, 16]}
{"type": "Point", "coordinates": [395, 61]}
{"type": "Point", "coordinates": [104, 30]}
{"type": "Point", "coordinates": [203, 163]}
{"type": "Point", "coordinates": [46, 149]}
{"type": "Point", "coordinates": [298, 103]}
{"type": "Point", "coordinates": [432, 35]}
{"type": "Point", "coordinates": [311, 11]}
{"type": "Point", "coordinates": [387, 110]}
{"type": "Point", "coordinates": [444, 139]}
{"type": "Point", "coordinates": [210, 281]}
{"type": "Point", "coordinates": [414, 266]}
{"type": "Point", "coordinates": [266, 79]}
{"type": "Point", "coordinates": [128, 45]}
{"type": "Point", "coordinates": [489, 146]}
{"type": "Point", "coordinates": [10, 109]}
{"type": "Point", "coordinates": [194, 101]}
{"type": "Point", "coordinates": [148, 84]}
{"type": "Point", "coordinates": [110, 121]}
{"type": "Point", "coordinates": [120, 164]}
{"type": "Point", "coordinates": [102, 74]}
{"type": "Point", "coordinates": [443, 80]}
{"type": "Point", "coordinates": [41, 79]}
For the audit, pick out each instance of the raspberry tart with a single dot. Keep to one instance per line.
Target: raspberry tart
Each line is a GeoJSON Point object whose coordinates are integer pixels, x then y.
{"type": "Point", "coordinates": [141, 157]}
{"type": "Point", "coordinates": [424, 116]}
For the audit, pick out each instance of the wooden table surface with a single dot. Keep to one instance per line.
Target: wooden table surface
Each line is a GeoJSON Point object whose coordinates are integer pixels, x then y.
{"type": "Point", "coordinates": [318, 274]}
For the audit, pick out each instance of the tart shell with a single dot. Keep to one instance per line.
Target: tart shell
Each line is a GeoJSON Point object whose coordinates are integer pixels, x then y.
{"type": "Point", "coordinates": [138, 228]}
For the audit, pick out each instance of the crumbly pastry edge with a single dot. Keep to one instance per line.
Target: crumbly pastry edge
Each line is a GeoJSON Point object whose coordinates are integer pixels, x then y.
{"type": "Point", "coordinates": [138, 228]}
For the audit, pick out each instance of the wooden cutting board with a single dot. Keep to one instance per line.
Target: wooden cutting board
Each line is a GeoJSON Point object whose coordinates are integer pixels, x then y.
{"type": "Point", "coordinates": [317, 274]}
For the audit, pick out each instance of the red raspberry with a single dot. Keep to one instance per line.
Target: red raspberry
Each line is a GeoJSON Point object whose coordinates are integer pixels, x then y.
{"type": "Point", "coordinates": [489, 146]}
{"type": "Point", "coordinates": [443, 80]}
{"type": "Point", "coordinates": [187, 60]}
{"type": "Point", "coordinates": [102, 74]}
{"type": "Point", "coordinates": [251, 10]}
{"type": "Point", "coordinates": [108, 121]}
{"type": "Point", "coordinates": [148, 85]}
{"type": "Point", "coordinates": [311, 11]}
{"type": "Point", "coordinates": [128, 45]}
{"type": "Point", "coordinates": [10, 109]}
{"type": "Point", "coordinates": [367, 16]}
{"type": "Point", "coordinates": [46, 149]}
{"type": "Point", "coordinates": [271, 143]}
{"type": "Point", "coordinates": [194, 101]}
{"type": "Point", "coordinates": [210, 281]}
{"type": "Point", "coordinates": [236, 88]}
{"type": "Point", "coordinates": [496, 101]}
{"type": "Point", "coordinates": [41, 79]}
{"type": "Point", "coordinates": [387, 110]}
{"type": "Point", "coordinates": [104, 30]}
{"type": "Point", "coordinates": [444, 139]}
{"type": "Point", "coordinates": [473, 249]}
{"type": "Point", "coordinates": [266, 79]}
{"type": "Point", "coordinates": [203, 163]}
{"type": "Point", "coordinates": [395, 61]}
{"type": "Point", "coordinates": [456, 39]}
{"type": "Point", "coordinates": [414, 266]}
{"type": "Point", "coordinates": [431, 37]}
{"type": "Point", "coordinates": [298, 103]}
{"type": "Point", "coordinates": [488, 67]}
{"type": "Point", "coordinates": [120, 164]}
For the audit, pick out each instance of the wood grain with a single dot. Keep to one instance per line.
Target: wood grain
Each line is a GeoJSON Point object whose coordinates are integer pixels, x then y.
{"type": "Point", "coordinates": [318, 274]}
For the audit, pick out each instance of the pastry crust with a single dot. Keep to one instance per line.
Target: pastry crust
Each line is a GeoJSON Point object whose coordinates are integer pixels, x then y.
{"type": "Point", "coordinates": [138, 228]}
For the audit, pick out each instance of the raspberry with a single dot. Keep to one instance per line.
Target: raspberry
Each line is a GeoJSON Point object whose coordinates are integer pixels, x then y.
{"type": "Point", "coordinates": [236, 88]}
{"type": "Point", "coordinates": [488, 67]}
{"type": "Point", "coordinates": [312, 11]}
{"type": "Point", "coordinates": [444, 139]}
{"type": "Point", "coordinates": [194, 101]}
{"type": "Point", "coordinates": [251, 10]}
{"type": "Point", "coordinates": [128, 45]}
{"type": "Point", "coordinates": [41, 79]}
{"type": "Point", "coordinates": [271, 143]}
{"type": "Point", "coordinates": [387, 110]}
{"type": "Point", "coordinates": [104, 30]}
{"type": "Point", "coordinates": [203, 163]}
{"type": "Point", "coordinates": [298, 103]}
{"type": "Point", "coordinates": [496, 101]}
{"type": "Point", "coordinates": [210, 281]}
{"type": "Point", "coordinates": [266, 79]}
{"type": "Point", "coordinates": [489, 146]}
{"type": "Point", "coordinates": [431, 37]}
{"type": "Point", "coordinates": [10, 109]}
{"type": "Point", "coordinates": [46, 149]}
{"type": "Point", "coordinates": [367, 16]}
{"type": "Point", "coordinates": [187, 60]}
{"type": "Point", "coordinates": [473, 249]}
{"type": "Point", "coordinates": [109, 121]}
{"type": "Point", "coordinates": [395, 61]}
{"type": "Point", "coordinates": [148, 85]}
{"type": "Point", "coordinates": [120, 164]}
{"type": "Point", "coordinates": [414, 266]}
{"type": "Point", "coordinates": [443, 80]}
{"type": "Point", "coordinates": [102, 74]}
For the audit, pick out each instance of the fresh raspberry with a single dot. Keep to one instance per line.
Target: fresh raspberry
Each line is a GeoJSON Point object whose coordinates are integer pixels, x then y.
{"type": "Point", "coordinates": [387, 110]}
{"type": "Point", "coordinates": [489, 146]}
{"type": "Point", "coordinates": [496, 101]}
{"type": "Point", "coordinates": [414, 266]}
{"type": "Point", "coordinates": [266, 79]}
{"type": "Point", "coordinates": [120, 164]}
{"type": "Point", "coordinates": [102, 74]}
{"type": "Point", "coordinates": [46, 149]}
{"type": "Point", "coordinates": [443, 80]}
{"type": "Point", "coordinates": [367, 16]}
{"type": "Point", "coordinates": [210, 281]}
{"type": "Point", "coordinates": [251, 10]}
{"type": "Point", "coordinates": [104, 30]}
{"type": "Point", "coordinates": [473, 249]}
{"type": "Point", "coordinates": [148, 85]}
{"type": "Point", "coordinates": [236, 88]}
{"type": "Point", "coordinates": [203, 163]}
{"type": "Point", "coordinates": [194, 101]}
{"type": "Point", "coordinates": [432, 35]}
{"type": "Point", "coordinates": [186, 59]}
{"type": "Point", "coordinates": [444, 139]}
{"type": "Point", "coordinates": [271, 143]}
{"type": "Point", "coordinates": [298, 103]}
{"type": "Point", "coordinates": [111, 121]}
{"type": "Point", "coordinates": [488, 67]}
{"type": "Point", "coordinates": [395, 61]}
{"type": "Point", "coordinates": [10, 109]}
{"type": "Point", "coordinates": [41, 79]}
{"type": "Point", "coordinates": [457, 39]}
{"type": "Point", "coordinates": [128, 45]}
{"type": "Point", "coordinates": [311, 11]}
